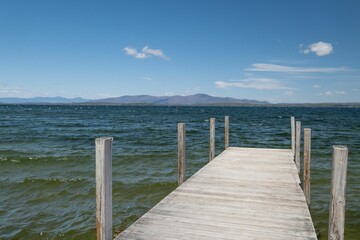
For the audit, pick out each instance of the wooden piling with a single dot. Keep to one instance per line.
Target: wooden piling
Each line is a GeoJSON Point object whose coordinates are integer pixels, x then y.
{"type": "Point", "coordinates": [226, 132]}
{"type": "Point", "coordinates": [293, 136]}
{"type": "Point", "coordinates": [181, 153]}
{"type": "Point", "coordinates": [297, 147]}
{"type": "Point", "coordinates": [104, 188]}
{"type": "Point", "coordinates": [337, 192]}
{"type": "Point", "coordinates": [212, 139]}
{"type": "Point", "coordinates": [307, 160]}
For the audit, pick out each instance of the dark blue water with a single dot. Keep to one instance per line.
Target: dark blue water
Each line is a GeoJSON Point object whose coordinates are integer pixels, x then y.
{"type": "Point", "coordinates": [47, 154]}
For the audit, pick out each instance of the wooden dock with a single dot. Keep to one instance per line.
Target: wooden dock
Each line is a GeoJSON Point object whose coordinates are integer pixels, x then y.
{"type": "Point", "coordinates": [244, 193]}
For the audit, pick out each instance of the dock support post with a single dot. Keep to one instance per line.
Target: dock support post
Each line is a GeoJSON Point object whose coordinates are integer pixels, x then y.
{"type": "Point", "coordinates": [337, 194]}
{"type": "Point", "coordinates": [307, 160]}
{"type": "Point", "coordinates": [293, 136]}
{"type": "Point", "coordinates": [104, 188]}
{"type": "Point", "coordinates": [226, 132]}
{"type": "Point", "coordinates": [212, 139]}
{"type": "Point", "coordinates": [297, 148]}
{"type": "Point", "coordinates": [181, 153]}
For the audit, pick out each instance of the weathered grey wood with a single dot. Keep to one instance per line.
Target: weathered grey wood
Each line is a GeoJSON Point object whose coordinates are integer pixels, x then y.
{"type": "Point", "coordinates": [226, 132]}
{"type": "Point", "coordinates": [337, 193]}
{"type": "Point", "coordinates": [293, 135]}
{"type": "Point", "coordinates": [104, 188]}
{"type": "Point", "coordinates": [181, 153]}
{"type": "Point", "coordinates": [297, 147]}
{"type": "Point", "coordinates": [307, 160]}
{"type": "Point", "coordinates": [243, 193]}
{"type": "Point", "coordinates": [212, 139]}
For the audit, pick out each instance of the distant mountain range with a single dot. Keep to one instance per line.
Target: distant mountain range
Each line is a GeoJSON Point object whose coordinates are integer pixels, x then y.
{"type": "Point", "coordinates": [197, 99]}
{"type": "Point", "coordinates": [40, 100]}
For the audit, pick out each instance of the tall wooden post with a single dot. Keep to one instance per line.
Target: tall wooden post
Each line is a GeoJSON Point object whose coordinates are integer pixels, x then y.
{"type": "Point", "coordinates": [212, 139]}
{"type": "Point", "coordinates": [181, 153]}
{"type": "Point", "coordinates": [337, 194]}
{"type": "Point", "coordinates": [226, 132]}
{"type": "Point", "coordinates": [293, 136]}
{"type": "Point", "coordinates": [307, 160]}
{"type": "Point", "coordinates": [104, 188]}
{"type": "Point", "coordinates": [297, 149]}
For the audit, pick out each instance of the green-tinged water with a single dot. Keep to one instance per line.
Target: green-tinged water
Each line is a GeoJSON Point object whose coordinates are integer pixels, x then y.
{"type": "Point", "coordinates": [47, 154]}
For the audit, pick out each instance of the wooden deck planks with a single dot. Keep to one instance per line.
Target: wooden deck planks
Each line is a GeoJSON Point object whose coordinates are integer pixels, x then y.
{"type": "Point", "coordinates": [244, 193]}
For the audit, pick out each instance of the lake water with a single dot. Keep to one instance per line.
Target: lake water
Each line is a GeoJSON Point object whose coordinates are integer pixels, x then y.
{"type": "Point", "coordinates": [47, 160]}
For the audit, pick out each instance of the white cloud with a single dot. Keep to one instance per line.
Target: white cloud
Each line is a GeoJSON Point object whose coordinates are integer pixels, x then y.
{"type": "Point", "coordinates": [331, 93]}
{"type": "Point", "coordinates": [146, 78]}
{"type": "Point", "coordinates": [255, 83]}
{"type": "Point", "coordinates": [105, 95]}
{"type": "Point", "coordinates": [288, 93]}
{"type": "Point", "coordinates": [319, 48]}
{"type": "Point", "coordinates": [265, 67]}
{"type": "Point", "coordinates": [145, 52]}
{"type": "Point", "coordinates": [316, 86]}
{"type": "Point", "coordinates": [192, 91]}
{"type": "Point", "coordinates": [169, 94]}
{"type": "Point", "coordinates": [133, 52]}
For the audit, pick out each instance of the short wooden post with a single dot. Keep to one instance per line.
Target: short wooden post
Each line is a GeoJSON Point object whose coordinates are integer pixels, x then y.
{"type": "Point", "coordinates": [297, 149]}
{"type": "Point", "coordinates": [212, 139]}
{"type": "Point", "coordinates": [337, 194]}
{"type": "Point", "coordinates": [307, 160]}
{"type": "Point", "coordinates": [104, 188]}
{"type": "Point", "coordinates": [293, 136]}
{"type": "Point", "coordinates": [226, 132]}
{"type": "Point", "coordinates": [181, 153]}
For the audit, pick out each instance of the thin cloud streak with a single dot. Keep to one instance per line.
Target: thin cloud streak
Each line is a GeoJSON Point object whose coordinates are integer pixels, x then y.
{"type": "Point", "coordinates": [147, 78]}
{"type": "Point", "coordinates": [254, 83]}
{"type": "Point", "coordinates": [330, 93]}
{"type": "Point", "coordinates": [264, 67]}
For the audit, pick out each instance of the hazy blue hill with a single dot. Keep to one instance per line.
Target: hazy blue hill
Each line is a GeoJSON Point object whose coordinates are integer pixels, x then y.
{"type": "Point", "coordinates": [42, 100]}
{"type": "Point", "coordinates": [201, 99]}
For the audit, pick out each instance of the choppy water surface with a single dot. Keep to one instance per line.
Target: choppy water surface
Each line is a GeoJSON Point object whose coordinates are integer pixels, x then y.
{"type": "Point", "coordinates": [47, 154]}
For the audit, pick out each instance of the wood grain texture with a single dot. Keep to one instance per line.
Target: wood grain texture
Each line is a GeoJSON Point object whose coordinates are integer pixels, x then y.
{"type": "Point", "coordinates": [212, 139]}
{"type": "Point", "coordinates": [181, 153]}
{"type": "Point", "coordinates": [307, 160]}
{"type": "Point", "coordinates": [244, 193]}
{"type": "Point", "coordinates": [292, 119]}
{"type": "Point", "coordinates": [226, 132]}
{"type": "Point", "coordinates": [297, 147]}
{"type": "Point", "coordinates": [104, 188]}
{"type": "Point", "coordinates": [337, 193]}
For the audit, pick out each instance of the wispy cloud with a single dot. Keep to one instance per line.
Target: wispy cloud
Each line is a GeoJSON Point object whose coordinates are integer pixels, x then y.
{"type": "Point", "coordinates": [147, 78]}
{"type": "Point", "coordinates": [255, 83]}
{"type": "Point", "coordinates": [288, 93]}
{"type": "Point", "coordinates": [145, 52]}
{"type": "Point", "coordinates": [316, 86]}
{"type": "Point", "coordinates": [9, 91]}
{"type": "Point", "coordinates": [331, 93]}
{"type": "Point", "coordinates": [265, 67]}
{"type": "Point", "coordinates": [319, 48]}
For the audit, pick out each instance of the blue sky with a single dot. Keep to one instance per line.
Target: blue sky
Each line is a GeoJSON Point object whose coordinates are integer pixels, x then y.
{"type": "Point", "coordinates": [278, 51]}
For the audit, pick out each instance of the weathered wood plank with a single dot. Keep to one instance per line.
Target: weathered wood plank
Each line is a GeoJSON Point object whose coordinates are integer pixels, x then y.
{"type": "Point", "coordinates": [297, 147]}
{"type": "Point", "coordinates": [307, 159]}
{"type": "Point", "coordinates": [181, 153]}
{"type": "Point", "coordinates": [243, 193]}
{"type": "Point", "coordinates": [337, 194]}
{"type": "Point", "coordinates": [293, 135]}
{"type": "Point", "coordinates": [226, 132]}
{"type": "Point", "coordinates": [212, 139]}
{"type": "Point", "coordinates": [103, 188]}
